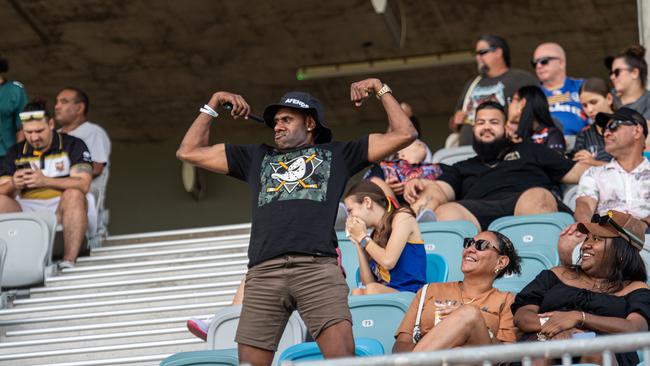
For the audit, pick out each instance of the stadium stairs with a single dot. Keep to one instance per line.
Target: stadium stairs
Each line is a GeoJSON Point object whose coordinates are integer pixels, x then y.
{"type": "Point", "coordinates": [126, 303]}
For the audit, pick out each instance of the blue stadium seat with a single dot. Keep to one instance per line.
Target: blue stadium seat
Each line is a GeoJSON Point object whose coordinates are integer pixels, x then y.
{"type": "Point", "coordinates": [532, 263]}
{"type": "Point", "coordinates": [437, 268]}
{"type": "Point", "coordinates": [445, 238]}
{"type": "Point", "coordinates": [349, 259]}
{"type": "Point", "coordinates": [309, 351]}
{"type": "Point", "coordinates": [378, 316]}
{"type": "Point", "coordinates": [538, 233]}
{"type": "Point", "coordinates": [220, 357]}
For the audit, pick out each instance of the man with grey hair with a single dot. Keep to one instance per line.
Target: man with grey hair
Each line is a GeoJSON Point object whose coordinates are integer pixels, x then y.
{"type": "Point", "coordinates": [562, 92]}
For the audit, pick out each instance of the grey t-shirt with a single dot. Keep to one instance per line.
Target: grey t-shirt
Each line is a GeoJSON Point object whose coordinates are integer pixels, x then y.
{"type": "Point", "coordinates": [641, 105]}
{"type": "Point", "coordinates": [497, 89]}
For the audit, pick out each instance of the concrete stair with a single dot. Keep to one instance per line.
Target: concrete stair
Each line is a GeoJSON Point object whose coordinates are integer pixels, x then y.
{"type": "Point", "coordinates": [127, 303]}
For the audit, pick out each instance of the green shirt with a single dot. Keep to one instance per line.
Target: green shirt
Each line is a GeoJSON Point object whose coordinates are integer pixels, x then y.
{"type": "Point", "coordinates": [12, 101]}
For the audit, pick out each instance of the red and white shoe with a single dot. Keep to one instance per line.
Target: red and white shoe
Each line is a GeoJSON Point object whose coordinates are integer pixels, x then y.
{"type": "Point", "coordinates": [198, 327]}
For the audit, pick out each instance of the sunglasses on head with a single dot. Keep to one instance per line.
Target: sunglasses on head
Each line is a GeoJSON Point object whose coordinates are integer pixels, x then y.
{"type": "Point", "coordinates": [616, 72]}
{"type": "Point", "coordinates": [484, 51]}
{"type": "Point", "coordinates": [543, 60]}
{"type": "Point", "coordinates": [615, 124]}
{"type": "Point", "coordinates": [480, 244]}
{"type": "Point", "coordinates": [31, 115]}
{"type": "Point", "coordinates": [607, 219]}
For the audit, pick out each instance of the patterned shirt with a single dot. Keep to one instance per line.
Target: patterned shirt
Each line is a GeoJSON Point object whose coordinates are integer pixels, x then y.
{"type": "Point", "coordinates": [616, 189]}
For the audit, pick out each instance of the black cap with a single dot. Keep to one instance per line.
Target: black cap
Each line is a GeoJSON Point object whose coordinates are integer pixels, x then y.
{"type": "Point", "coordinates": [623, 114]}
{"type": "Point", "coordinates": [303, 102]}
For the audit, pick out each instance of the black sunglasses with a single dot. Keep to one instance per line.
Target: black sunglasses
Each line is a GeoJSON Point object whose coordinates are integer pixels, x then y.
{"type": "Point", "coordinates": [616, 72]}
{"type": "Point", "coordinates": [613, 125]}
{"type": "Point", "coordinates": [543, 60]}
{"type": "Point", "coordinates": [485, 51]}
{"type": "Point", "coordinates": [480, 244]}
{"type": "Point", "coordinates": [606, 219]}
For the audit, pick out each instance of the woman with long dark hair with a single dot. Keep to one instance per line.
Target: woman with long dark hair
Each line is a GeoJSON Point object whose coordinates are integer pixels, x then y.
{"type": "Point", "coordinates": [605, 293]}
{"type": "Point", "coordinates": [392, 257]}
{"type": "Point", "coordinates": [529, 119]}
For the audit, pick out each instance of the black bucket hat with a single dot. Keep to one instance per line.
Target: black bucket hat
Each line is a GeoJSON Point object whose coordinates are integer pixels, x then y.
{"type": "Point", "coordinates": [623, 114]}
{"type": "Point", "coordinates": [303, 102]}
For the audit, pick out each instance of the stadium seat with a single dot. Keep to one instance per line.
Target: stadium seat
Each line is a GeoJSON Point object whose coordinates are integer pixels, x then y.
{"type": "Point", "coordinates": [426, 215]}
{"type": "Point", "coordinates": [29, 249]}
{"type": "Point", "coordinates": [437, 268]}
{"type": "Point", "coordinates": [221, 357]}
{"type": "Point", "coordinates": [378, 316]}
{"type": "Point", "coordinates": [309, 351]}
{"type": "Point", "coordinates": [341, 217]}
{"type": "Point", "coordinates": [538, 233]}
{"type": "Point", "coordinates": [349, 259]}
{"type": "Point", "coordinates": [569, 194]}
{"type": "Point", "coordinates": [221, 334]}
{"type": "Point", "coordinates": [532, 263]}
{"type": "Point", "coordinates": [3, 256]}
{"type": "Point", "coordinates": [445, 238]}
{"type": "Point", "coordinates": [453, 155]}
{"type": "Point", "coordinates": [646, 154]}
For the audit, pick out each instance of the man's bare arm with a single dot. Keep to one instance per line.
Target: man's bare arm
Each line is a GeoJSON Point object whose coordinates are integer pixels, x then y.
{"type": "Point", "coordinates": [195, 149]}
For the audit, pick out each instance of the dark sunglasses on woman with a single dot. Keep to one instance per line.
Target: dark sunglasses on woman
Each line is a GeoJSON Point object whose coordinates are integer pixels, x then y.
{"type": "Point", "coordinates": [480, 244]}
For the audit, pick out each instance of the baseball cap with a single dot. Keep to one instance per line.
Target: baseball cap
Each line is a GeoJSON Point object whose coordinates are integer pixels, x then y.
{"type": "Point", "coordinates": [304, 102]}
{"type": "Point", "coordinates": [623, 114]}
{"type": "Point", "coordinates": [616, 224]}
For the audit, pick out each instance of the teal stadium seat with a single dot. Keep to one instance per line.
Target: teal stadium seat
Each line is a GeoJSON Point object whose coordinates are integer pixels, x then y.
{"type": "Point", "coordinates": [445, 238]}
{"type": "Point", "coordinates": [532, 263]}
{"type": "Point", "coordinates": [437, 268]}
{"type": "Point", "coordinates": [349, 259]}
{"type": "Point", "coordinates": [378, 316]}
{"type": "Point", "coordinates": [220, 357]}
{"type": "Point", "coordinates": [309, 351]}
{"type": "Point", "coordinates": [534, 233]}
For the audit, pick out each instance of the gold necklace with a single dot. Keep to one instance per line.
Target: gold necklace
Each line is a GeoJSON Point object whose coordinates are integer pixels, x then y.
{"type": "Point", "coordinates": [462, 297]}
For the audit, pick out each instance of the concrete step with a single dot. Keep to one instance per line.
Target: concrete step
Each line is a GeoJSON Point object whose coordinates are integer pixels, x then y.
{"type": "Point", "coordinates": [235, 229]}
{"type": "Point", "coordinates": [136, 274]}
{"type": "Point", "coordinates": [130, 294]}
{"type": "Point", "coordinates": [162, 254]}
{"type": "Point", "coordinates": [171, 244]}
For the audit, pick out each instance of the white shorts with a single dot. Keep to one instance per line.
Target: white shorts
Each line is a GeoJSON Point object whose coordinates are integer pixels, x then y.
{"type": "Point", "coordinates": [51, 204]}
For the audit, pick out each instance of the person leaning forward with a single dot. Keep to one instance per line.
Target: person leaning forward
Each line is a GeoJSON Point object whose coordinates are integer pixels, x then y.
{"type": "Point", "coordinates": [296, 189]}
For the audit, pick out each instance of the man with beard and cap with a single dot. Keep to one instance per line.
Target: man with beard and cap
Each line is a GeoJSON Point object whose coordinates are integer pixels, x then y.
{"type": "Point", "coordinates": [503, 179]}
{"type": "Point", "coordinates": [296, 187]}
{"type": "Point", "coordinates": [496, 81]}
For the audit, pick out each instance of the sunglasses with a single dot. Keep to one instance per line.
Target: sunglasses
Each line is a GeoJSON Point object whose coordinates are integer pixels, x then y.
{"type": "Point", "coordinates": [616, 72]}
{"type": "Point", "coordinates": [615, 124]}
{"type": "Point", "coordinates": [31, 115]}
{"type": "Point", "coordinates": [480, 244]}
{"type": "Point", "coordinates": [607, 219]}
{"type": "Point", "coordinates": [543, 60]}
{"type": "Point", "coordinates": [485, 51]}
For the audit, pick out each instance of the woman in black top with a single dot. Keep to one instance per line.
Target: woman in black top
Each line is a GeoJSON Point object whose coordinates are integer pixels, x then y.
{"type": "Point", "coordinates": [606, 293]}
{"type": "Point", "coordinates": [595, 98]}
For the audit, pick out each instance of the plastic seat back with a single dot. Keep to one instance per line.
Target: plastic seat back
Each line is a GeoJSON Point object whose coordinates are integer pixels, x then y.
{"type": "Point", "coordinates": [569, 196]}
{"type": "Point", "coordinates": [341, 217]}
{"type": "Point", "coordinates": [453, 155]}
{"type": "Point", "coordinates": [309, 351]}
{"type": "Point", "coordinates": [445, 238]}
{"type": "Point", "coordinates": [28, 249]}
{"type": "Point", "coordinates": [437, 268]}
{"type": "Point", "coordinates": [349, 259]}
{"type": "Point", "coordinates": [221, 357]}
{"type": "Point", "coordinates": [539, 233]}
{"type": "Point", "coordinates": [221, 334]}
{"type": "Point", "coordinates": [3, 257]}
{"type": "Point", "coordinates": [378, 316]}
{"type": "Point", "coordinates": [532, 263]}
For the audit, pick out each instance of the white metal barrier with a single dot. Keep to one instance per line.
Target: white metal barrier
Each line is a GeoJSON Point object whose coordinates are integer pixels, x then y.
{"type": "Point", "coordinates": [523, 352]}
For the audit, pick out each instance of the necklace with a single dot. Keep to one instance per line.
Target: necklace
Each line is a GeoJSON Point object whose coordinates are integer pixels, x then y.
{"type": "Point", "coordinates": [463, 297]}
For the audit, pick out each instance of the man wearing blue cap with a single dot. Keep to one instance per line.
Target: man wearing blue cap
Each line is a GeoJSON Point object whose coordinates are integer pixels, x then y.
{"type": "Point", "coordinates": [296, 187]}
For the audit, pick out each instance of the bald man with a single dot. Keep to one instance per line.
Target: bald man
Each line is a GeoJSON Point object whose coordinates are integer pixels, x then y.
{"type": "Point", "coordinates": [563, 93]}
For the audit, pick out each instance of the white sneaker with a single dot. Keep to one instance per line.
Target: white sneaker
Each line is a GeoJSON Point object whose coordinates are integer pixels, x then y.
{"type": "Point", "coordinates": [65, 264]}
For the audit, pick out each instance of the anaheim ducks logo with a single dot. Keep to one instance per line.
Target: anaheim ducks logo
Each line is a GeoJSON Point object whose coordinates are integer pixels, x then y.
{"type": "Point", "coordinates": [294, 172]}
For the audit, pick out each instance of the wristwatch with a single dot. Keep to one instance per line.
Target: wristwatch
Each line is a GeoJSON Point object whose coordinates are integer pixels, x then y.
{"type": "Point", "coordinates": [364, 241]}
{"type": "Point", "coordinates": [384, 89]}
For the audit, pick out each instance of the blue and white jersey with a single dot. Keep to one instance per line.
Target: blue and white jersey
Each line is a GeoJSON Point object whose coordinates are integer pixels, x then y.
{"type": "Point", "coordinates": [564, 104]}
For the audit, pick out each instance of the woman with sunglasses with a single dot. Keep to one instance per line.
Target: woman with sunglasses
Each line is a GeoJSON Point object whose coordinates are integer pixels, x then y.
{"type": "Point", "coordinates": [529, 119]}
{"type": "Point", "coordinates": [470, 312]}
{"type": "Point", "coordinates": [392, 257]}
{"type": "Point", "coordinates": [605, 293]}
{"type": "Point", "coordinates": [589, 147]}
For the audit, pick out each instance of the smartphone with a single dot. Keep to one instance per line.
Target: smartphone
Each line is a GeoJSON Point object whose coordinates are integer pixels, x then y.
{"type": "Point", "coordinates": [23, 165]}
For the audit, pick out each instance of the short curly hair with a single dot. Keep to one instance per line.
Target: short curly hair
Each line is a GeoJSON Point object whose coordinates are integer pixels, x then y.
{"type": "Point", "coordinates": [508, 249]}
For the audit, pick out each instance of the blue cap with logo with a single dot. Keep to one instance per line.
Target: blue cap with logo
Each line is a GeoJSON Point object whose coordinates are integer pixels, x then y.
{"type": "Point", "coordinates": [303, 102]}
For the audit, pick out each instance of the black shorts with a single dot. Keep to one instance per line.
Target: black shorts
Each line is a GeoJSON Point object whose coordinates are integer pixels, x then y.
{"type": "Point", "coordinates": [488, 210]}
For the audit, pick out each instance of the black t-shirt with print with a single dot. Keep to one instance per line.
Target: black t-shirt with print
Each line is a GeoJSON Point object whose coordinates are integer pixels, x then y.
{"type": "Point", "coordinates": [295, 194]}
{"type": "Point", "coordinates": [524, 166]}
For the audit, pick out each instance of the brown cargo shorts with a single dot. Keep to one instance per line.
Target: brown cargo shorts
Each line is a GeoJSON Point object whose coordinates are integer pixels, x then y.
{"type": "Point", "coordinates": [314, 286]}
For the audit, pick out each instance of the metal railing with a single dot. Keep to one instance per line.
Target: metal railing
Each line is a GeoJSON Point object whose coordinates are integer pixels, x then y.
{"type": "Point", "coordinates": [519, 352]}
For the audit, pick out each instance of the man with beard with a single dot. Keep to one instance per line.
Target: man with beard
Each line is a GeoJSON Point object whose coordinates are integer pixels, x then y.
{"type": "Point", "coordinates": [503, 179]}
{"type": "Point", "coordinates": [496, 82]}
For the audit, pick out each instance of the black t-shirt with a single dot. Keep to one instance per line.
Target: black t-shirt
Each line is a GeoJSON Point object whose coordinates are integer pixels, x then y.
{"type": "Point", "coordinates": [295, 194]}
{"type": "Point", "coordinates": [524, 166]}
